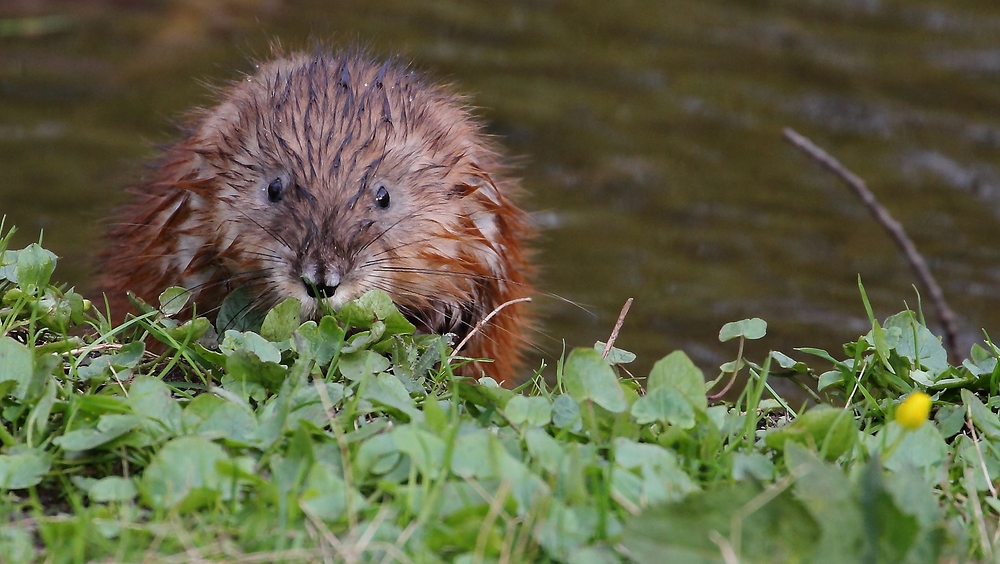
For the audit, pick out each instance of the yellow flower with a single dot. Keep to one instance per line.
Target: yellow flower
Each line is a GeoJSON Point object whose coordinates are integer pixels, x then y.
{"type": "Point", "coordinates": [914, 410]}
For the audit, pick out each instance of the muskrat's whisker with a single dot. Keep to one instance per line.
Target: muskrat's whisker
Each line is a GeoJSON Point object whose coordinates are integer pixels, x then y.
{"type": "Point", "coordinates": [238, 278]}
{"type": "Point", "coordinates": [436, 272]}
{"type": "Point", "coordinates": [396, 248]}
{"type": "Point", "coordinates": [274, 235]}
{"type": "Point", "coordinates": [381, 234]}
{"type": "Point", "coordinates": [264, 255]}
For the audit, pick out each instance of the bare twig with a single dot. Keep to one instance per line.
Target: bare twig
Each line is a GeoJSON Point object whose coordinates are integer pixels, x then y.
{"type": "Point", "coordinates": [893, 227]}
{"type": "Point", "coordinates": [618, 327]}
{"type": "Point", "coordinates": [483, 322]}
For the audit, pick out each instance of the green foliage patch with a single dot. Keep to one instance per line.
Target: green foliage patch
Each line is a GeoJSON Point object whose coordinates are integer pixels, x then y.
{"type": "Point", "coordinates": [351, 439]}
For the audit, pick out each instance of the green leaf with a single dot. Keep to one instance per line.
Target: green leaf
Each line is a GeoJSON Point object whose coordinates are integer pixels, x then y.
{"type": "Point", "coordinates": [375, 305]}
{"type": "Point", "coordinates": [386, 390]}
{"type": "Point", "coordinates": [589, 377]}
{"type": "Point", "coordinates": [980, 361]}
{"type": "Point", "coordinates": [112, 488]}
{"type": "Point", "coordinates": [151, 400]}
{"type": "Point", "coordinates": [983, 417]}
{"type": "Point", "coordinates": [235, 341]}
{"type": "Point", "coordinates": [45, 367]}
{"type": "Point", "coordinates": [889, 533]}
{"type": "Point", "coordinates": [184, 475]}
{"type": "Point", "coordinates": [8, 260]}
{"type": "Point", "coordinates": [932, 354]}
{"type": "Point", "coordinates": [290, 469]}
{"type": "Point", "coordinates": [922, 448]}
{"type": "Point", "coordinates": [754, 465]}
{"type": "Point", "coordinates": [566, 413]}
{"type": "Point", "coordinates": [616, 355]}
{"type": "Point", "coordinates": [830, 378]}
{"type": "Point", "coordinates": [189, 331]}
{"type": "Point", "coordinates": [754, 328]}
{"type": "Point", "coordinates": [238, 312]}
{"type": "Point", "coordinates": [478, 455]}
{"type": "Point", "coordinates": [778, 529]}
{"type": "Point", "coordinates": [109, 427]}
{"type": "Point", "coordinates": [246, 366]}
{"type": "Point", "coordinates": [173, 300]}
{"type": "Point", "coordinates": [564, 530]}
{"type": "Point", "coordinates": [788, 363]}
{"type": "Point", "coordinates": [16, 544]}
{"type": "Point", "coordinates": [950, 419]}
{"type": "Point", "coordinates": [425, 450]}
{"type": "Point", "coordinates": [120, 363]}
{"type": "Point", "coordinates": [831, 431]}
{"type": "Point", "coordinates": [326, 495]}
{"type": "Point", "coordinates": [914, 496]}
{"type": "Point", "coordinates": [666, 405]}
{"type": "Point", "coordinates": [129, 355]}
{"type": "Point", "coordinates": [15, 365]}
{"type": "Point", "coordinates": [544, 450]}
{"type": "Point", "coordinates": [648, 474]}
{"type": "Point", "coordinates": [594, 555]}
{"type": "Point", "coordinates": [39, 416]}
{"type": "Point", "coordinates": [677, 372]}
{"type": "Point", "coordinates": [34, 267]}
{"type": "Point", "coordinates": [209, 357]}
{"type": "Point", "coordinates": [377, 456]}
{"type": "Point", "coordinates": [325, 339]}
{"type": "Point", "coordinates": [832, 501]}
{"type": "Point", "coordinates": [214, 417]}
{"type": "Point", "coordinates": [56, 310]}
{"type": "Point", "coordinates": [363, 339]}
{"type": "Point", "coordinates": [22, 467]}
{"type": "Point", "coordinates": [435, 416]}
{"type": "Point", "coordinates": [414, 359]}
{"type": "Point", "coordinates": [95, 406]}
{"type": "Point", "coordinates": [359, 364]}
{"type": "Point", "coordinates": [533, 411]}
{"type": "Point", "coordinates": [281, 321]}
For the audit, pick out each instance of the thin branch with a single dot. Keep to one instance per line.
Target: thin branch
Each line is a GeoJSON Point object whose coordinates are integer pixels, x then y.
{"type": "Point", "coordinates": [483, 322]}
{"type": "Point", "coordinates": [893, 227]}
{"type": "Point", "coordinates": [618, 327]}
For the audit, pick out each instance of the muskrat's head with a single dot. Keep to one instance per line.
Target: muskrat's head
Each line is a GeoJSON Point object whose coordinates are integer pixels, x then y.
{"type": "Point", "coordinates": [325, 176]}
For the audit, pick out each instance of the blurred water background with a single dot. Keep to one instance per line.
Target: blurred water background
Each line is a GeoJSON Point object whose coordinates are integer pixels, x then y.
{"type": "Point", "coordinates": [647, 133]}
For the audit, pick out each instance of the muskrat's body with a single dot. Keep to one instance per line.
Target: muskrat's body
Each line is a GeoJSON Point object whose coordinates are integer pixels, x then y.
{"type": "Point", "coordinates": [323, 176]}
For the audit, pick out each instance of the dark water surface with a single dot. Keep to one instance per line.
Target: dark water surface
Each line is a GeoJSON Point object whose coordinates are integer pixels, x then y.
{"type": "Point", "coordinates": [648, 135]}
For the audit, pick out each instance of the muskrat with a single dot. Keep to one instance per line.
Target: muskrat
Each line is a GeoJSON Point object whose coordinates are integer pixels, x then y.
{"type": "Point", "coordinates": [321, 176]}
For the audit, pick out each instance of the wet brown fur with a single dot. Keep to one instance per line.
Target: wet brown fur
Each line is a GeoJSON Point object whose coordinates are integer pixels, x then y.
{"type": "Point", "coordinates": [335, 128]}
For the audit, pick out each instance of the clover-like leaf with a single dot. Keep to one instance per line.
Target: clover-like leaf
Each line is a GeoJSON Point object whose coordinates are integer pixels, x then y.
{"type": "Point", "coordinates": [754, 328]}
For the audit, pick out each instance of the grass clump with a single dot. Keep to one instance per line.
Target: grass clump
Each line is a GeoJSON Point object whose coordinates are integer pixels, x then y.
{"type": "Point", "coordinates": [351, 439]}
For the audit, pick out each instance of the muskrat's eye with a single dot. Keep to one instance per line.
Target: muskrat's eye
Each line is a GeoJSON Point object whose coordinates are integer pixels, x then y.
{"type": "Point", "coordinates": [382, 197]}
{"type": "Point", "coordinates": [275, 190]}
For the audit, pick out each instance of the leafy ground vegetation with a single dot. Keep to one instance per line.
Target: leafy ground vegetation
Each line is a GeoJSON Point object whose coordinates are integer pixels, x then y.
{"type": "Point", "coordinates": [269, 439]}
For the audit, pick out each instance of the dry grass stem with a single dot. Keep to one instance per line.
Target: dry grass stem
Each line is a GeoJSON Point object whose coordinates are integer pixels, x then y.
{"type": "Point", "coordinates": [483, 323]}
{"type": "Point", "coordinates": [618, 327]}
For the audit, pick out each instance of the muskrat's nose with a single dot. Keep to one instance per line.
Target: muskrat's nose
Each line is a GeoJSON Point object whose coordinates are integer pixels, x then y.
{"type": "Point", "coordinates": [323, 284]}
